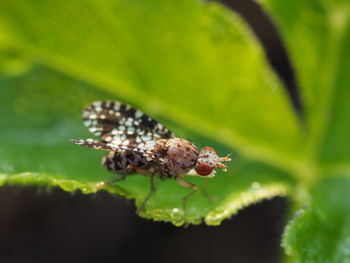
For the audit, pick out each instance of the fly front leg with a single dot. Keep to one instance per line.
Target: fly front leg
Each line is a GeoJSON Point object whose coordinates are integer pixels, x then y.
{"type": "Point", "coordinates": [182, 182]}
{"type": "Point", "coordinates": [205, 192]}
{"type": "Point", "coordinates": [204, 188]}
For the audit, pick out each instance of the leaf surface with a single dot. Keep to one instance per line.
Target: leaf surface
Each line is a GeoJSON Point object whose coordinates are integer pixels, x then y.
{"type": "Point", "coordinates": [37, 125]}
{"type": "Point", "coordinates": [317, 34]}
{"type": "Point", "coordinates": [321, 233]}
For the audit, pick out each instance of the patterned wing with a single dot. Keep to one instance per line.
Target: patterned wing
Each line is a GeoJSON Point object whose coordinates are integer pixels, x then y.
{"type": "Point", "coordinates": [143, 148]}
{"type": "Point", "coordinates": [116, 122]}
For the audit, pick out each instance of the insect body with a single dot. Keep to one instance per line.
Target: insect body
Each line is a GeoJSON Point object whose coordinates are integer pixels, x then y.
{"type": "Point", "coordinates": [138, 144]}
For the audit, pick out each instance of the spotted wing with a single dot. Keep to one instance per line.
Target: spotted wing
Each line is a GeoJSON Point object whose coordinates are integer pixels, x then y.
{"type": "Point", "coordinates": [117, 122]}
{"type": "Point", "coordinates": [145, 148]}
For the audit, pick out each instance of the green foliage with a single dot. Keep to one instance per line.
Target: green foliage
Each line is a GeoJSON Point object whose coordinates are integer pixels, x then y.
{"type": "Point", "coordinates": [174, 61]}
{"type": "Point", "coordinates": [317, 34]}
{"type": "Point", "coordinates": [199, 69]}
{"type": "Point", "coordinates": [321, 233]}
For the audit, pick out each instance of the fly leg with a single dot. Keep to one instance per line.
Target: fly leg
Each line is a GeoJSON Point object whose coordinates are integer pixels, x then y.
{"type": "Point", "coordinates": [116, 162]}
{"type": "Point", "coordinates": [205, 192]}
{"type": "Point", "coordinates": [182, 182]}
{"type": "Point", "coordinates": [103, 184]}
{"type": "Point", "coordinates": [204, 188]}
{"type": "Point", "coordinates": [151, 192]}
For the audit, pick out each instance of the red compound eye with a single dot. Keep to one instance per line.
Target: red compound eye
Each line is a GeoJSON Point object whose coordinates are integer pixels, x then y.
{"type": "Point", "coordinates": [204, 169]}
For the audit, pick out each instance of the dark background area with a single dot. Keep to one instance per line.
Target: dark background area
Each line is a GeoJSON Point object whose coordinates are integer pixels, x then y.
{"type": "Point", "coordinates": [64, 227]}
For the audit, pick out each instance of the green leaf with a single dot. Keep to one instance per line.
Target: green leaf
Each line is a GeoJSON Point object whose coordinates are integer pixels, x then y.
{"type": "Point", "coordinates": [317, 34]}
{"type": "Point", "coordinates": [322, 232]}
{"type": "Point", "coordinates": [34, 137]}
{"type": "Point", "coordinates": [12, 63]}
{"type": "Point", "coordinates": [196, 63]}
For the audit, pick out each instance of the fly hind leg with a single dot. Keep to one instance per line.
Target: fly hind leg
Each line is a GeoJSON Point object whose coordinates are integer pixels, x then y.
{"type": "Point", "coordinates": [120, 163]}
{"type": "Point", "coordinates": [126, 163]}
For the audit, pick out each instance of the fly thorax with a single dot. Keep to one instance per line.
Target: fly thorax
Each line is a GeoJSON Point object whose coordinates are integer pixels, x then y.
{"type": "Point", "coordinates": [178, 155]}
